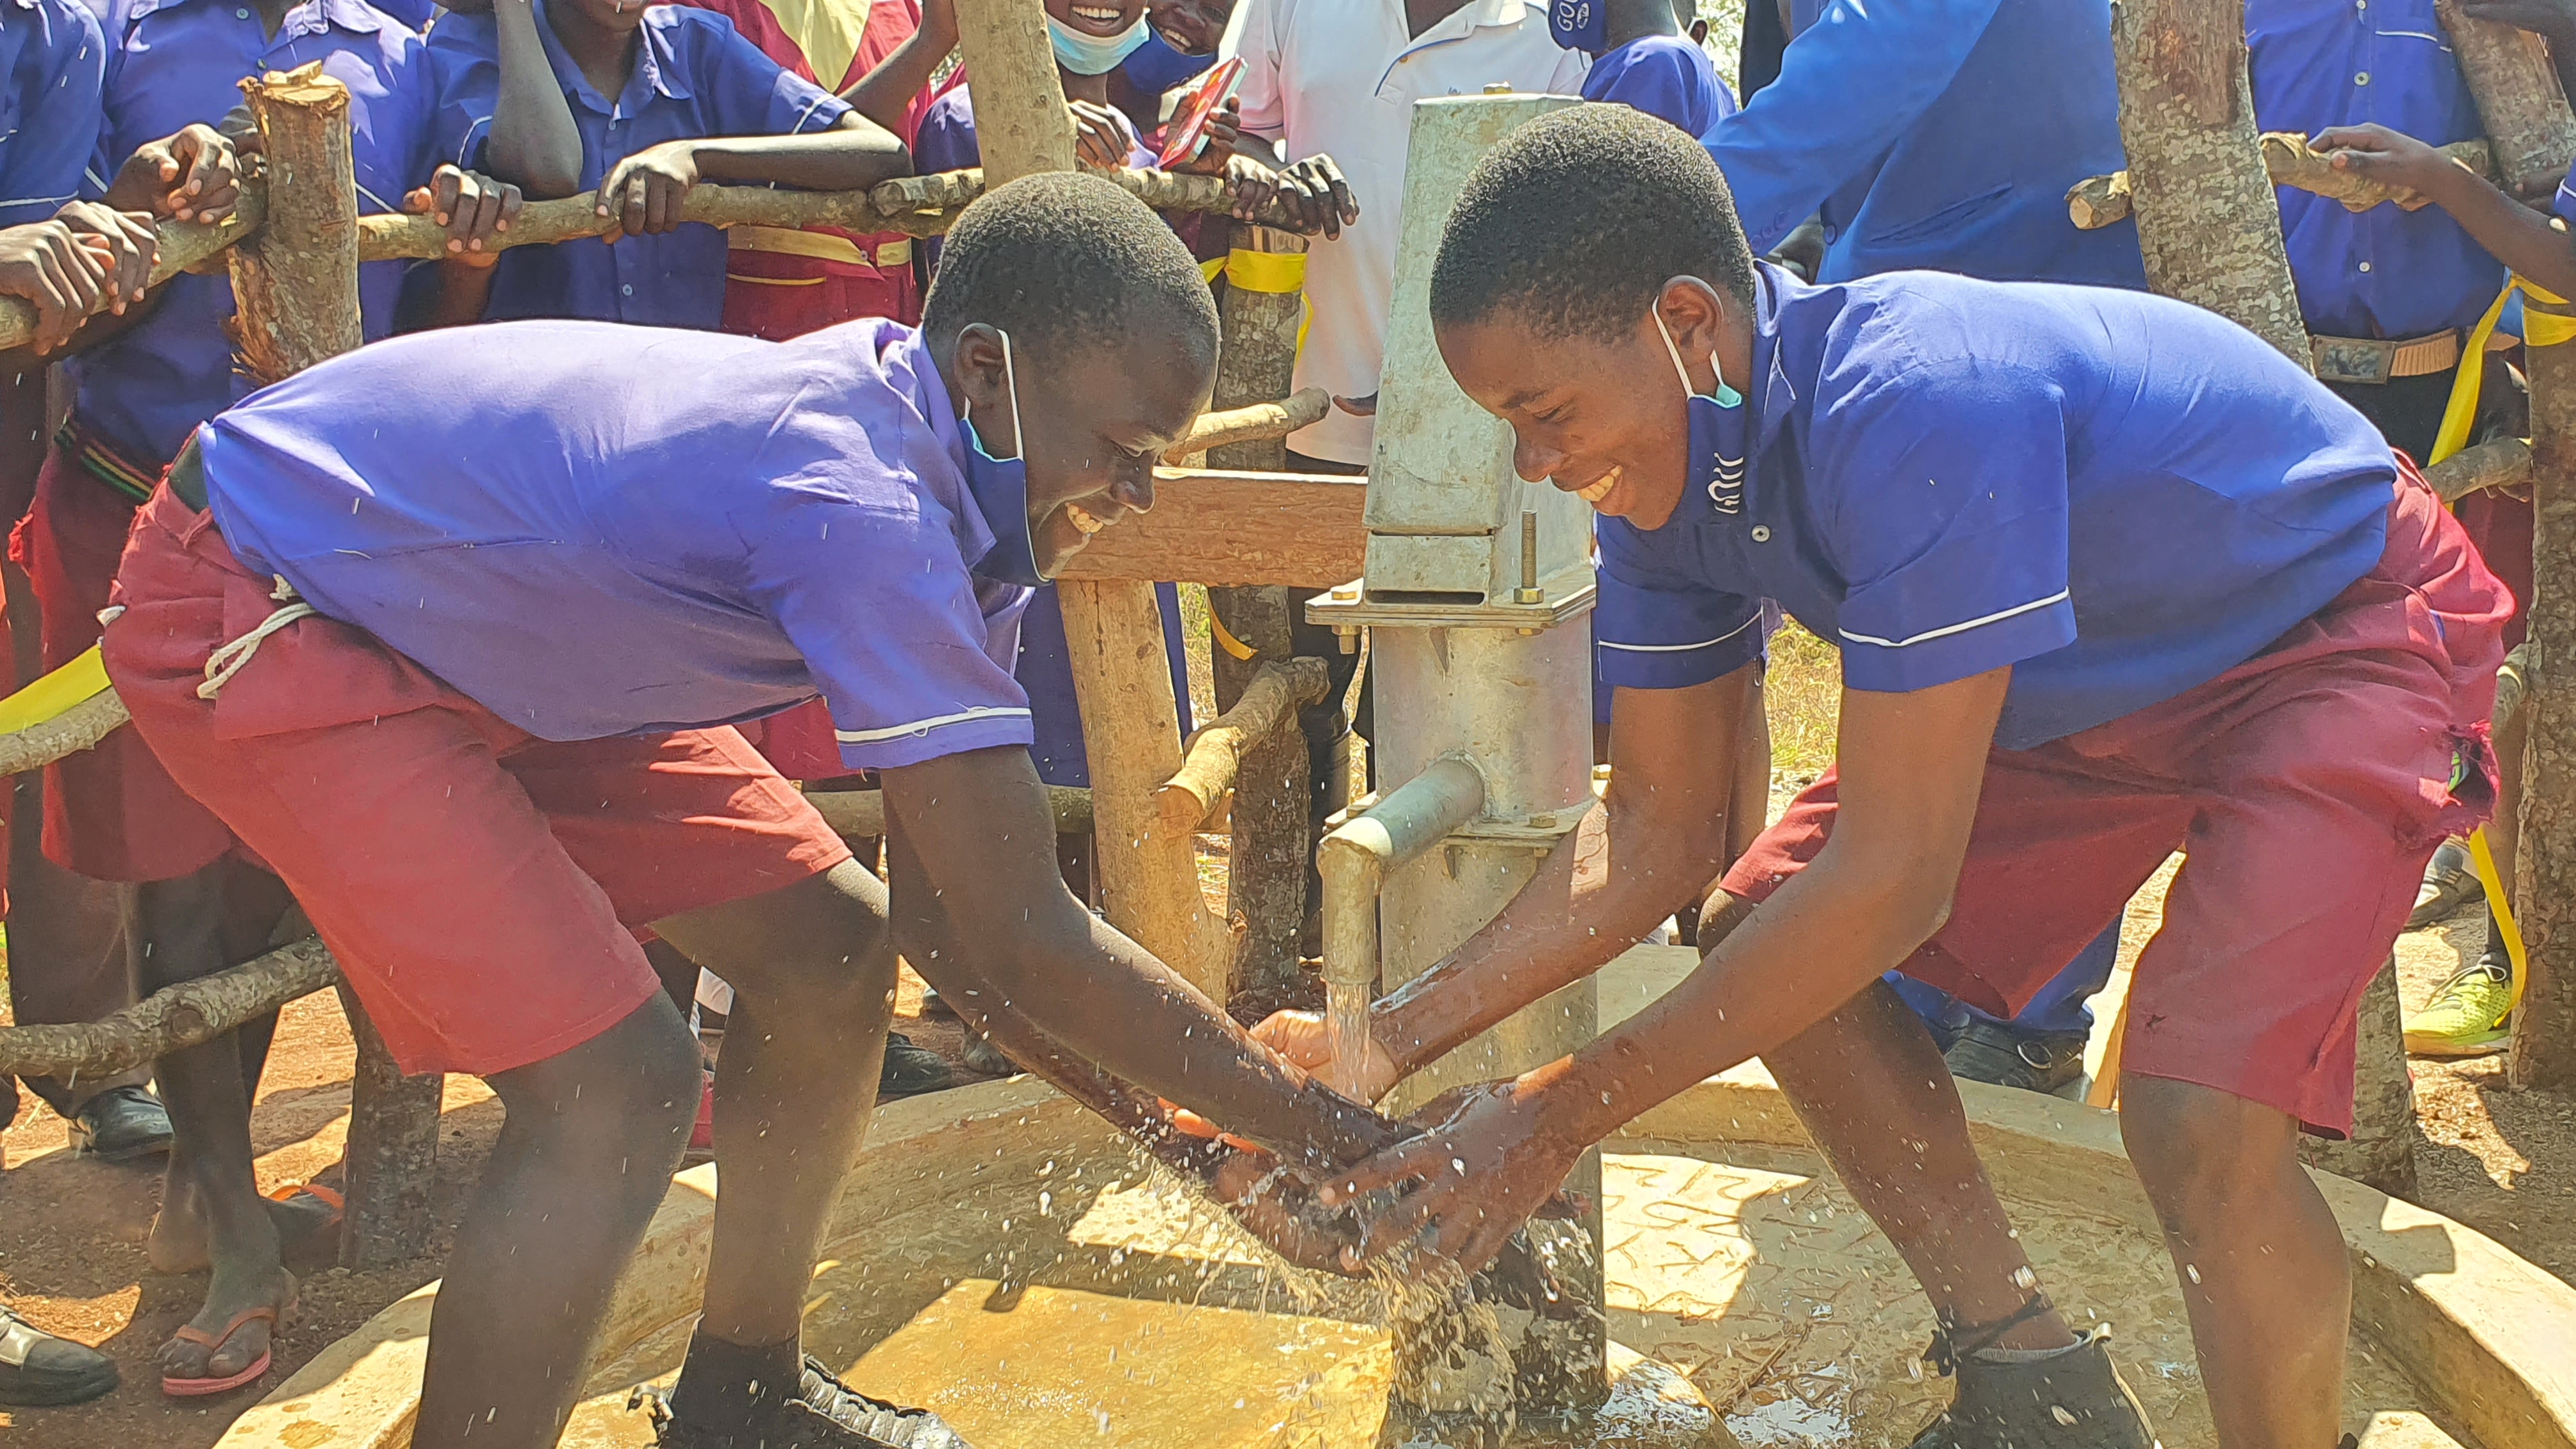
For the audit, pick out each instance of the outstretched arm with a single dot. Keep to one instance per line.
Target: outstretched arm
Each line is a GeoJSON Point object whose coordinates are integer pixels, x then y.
{"type": "Point", "coordinates": [986, 917]}
{"type": "Point", "coordinates": [1847, 91]}
{"type": "Point", "coordinates": [2530, 242]}
{"type": "Point", "coordinates": [643, 193]}
{"type": "Point", "coordinates": [534, 144]}
{"type": "Point", "coordinates": [885, 94]}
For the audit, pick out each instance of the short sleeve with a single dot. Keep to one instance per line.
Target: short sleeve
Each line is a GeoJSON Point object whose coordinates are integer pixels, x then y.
{"type": "Point", "coordinates": [1947, 495]}
{"type": "Point", "coordinates": [1254, 38]}
{"type": "Point", "coordinates": [2565, 204]}
{"type": "Point", "coordinates": [887, 619]}
{"type": "Point", "coordinates": [754, 95]}
{"type": "Point", "coordinates": [464, 65]}
{"type": "Point", "coordinates": [1658, 627]}
{"type": "Point", "coordinates": [58, 120]}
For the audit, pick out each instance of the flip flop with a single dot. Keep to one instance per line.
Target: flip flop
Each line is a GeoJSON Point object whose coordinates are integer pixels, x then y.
{"type": "Point", "coordinates": [201, 1388]}
{"type": "Point", "coordinates": [327, 1196]}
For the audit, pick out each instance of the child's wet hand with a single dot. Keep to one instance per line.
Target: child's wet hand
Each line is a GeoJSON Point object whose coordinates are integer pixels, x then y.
{"type": "Point", "coordinates": [646, 193]}
{"type": "Point", "coordinates": [192, 175]}
{"type": "Point", "coordinates": [1312, 191]}
{"type": "Point", "coordinates": [47, 264]}
{"type": "Point", "coordinates": [2391, 158]}
{"type": "Point", "coordinates": [1303, 1038]}
{"type": "Point", "coordinates": [475, 209]}
{"type": "Point", "coordinates": [1278, 1207]}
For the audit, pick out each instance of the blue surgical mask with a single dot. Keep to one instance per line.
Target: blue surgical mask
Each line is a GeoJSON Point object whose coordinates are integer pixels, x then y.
{"type": "Point", "coordinates": [1717, 430]}
{"type": "Point", "coordinates": [1001, 490]}
{"type": "Point", "coordinates": [1089, 54]}
{"type": "Point", "coordinates": [1582, 25]}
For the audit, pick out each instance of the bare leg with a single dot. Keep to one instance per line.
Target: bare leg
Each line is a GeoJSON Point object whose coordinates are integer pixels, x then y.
{"type": "Point", "coordinates": [813, 972]}
{"type": "Point", "coordinates": [180, 930]}
{"type": "Point", "coordinates": [584, 1157]}
{"type": "Point", "coordinates": [2259, 1255]}
{"type": "Point", "coordinates": [1876, 1096]}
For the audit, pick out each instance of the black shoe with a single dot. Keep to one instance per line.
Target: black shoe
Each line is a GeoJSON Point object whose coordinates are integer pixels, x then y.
{"type": "Point", "coordinates": [121, 1124]}
{"type": "Point", "coordinates": [2034, 1062]}
{"type": "Point", "coordinates": [983, 1056]}
{"type": "Point", "coordinates": [825, 1414]}
{"type": "Point", "coordinates": [39, 1370]}
{"type": "Point", "coordinates": [909, 1070]}
{"type": "Point", "coordinates": [2069, 1400]}
{"type": "Point", "coordinates": [935, 1007]}
{"type": "Point", "coordinates": [2450, 882]}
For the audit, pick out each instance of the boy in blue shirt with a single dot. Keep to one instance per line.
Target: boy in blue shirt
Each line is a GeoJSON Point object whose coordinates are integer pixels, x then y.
{"type": "Point", "coordinates": [700, 528]}
{"type": "Point", "coordinates": [2108, 575]}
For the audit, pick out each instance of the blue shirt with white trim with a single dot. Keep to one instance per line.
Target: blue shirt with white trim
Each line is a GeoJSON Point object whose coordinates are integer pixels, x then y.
{"type": "Point", "coordinates": [2119, 495]}
{"type": "Point", "coordinates": [695, 76]}
{"type": "Point", "coordinates": [629, 530]}
{"type": "Point", "coordinates": [2386, 272]}
{"type": "Point", "coordinates": [1937, 133]}
{"type": "Point", "coordinates": [53, 60]}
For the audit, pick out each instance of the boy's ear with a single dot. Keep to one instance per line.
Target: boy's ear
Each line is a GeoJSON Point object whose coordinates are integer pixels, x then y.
{"type": "Point", "coordinates": [981, 365]}
{"type": "Point", "coordinates": [1691, 311]}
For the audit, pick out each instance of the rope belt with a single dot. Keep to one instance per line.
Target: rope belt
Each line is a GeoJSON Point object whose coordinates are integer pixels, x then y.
{"type": "Point", "coordinates": [232, 658]}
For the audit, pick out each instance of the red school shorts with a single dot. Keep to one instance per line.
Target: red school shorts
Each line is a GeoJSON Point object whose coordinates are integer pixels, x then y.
{"type": "Point", "coordinates": [111, 813]}
{"type": "Point", "coordinates": [477, 884]}
{"type": "Point", "coordinates": [2306, 788]}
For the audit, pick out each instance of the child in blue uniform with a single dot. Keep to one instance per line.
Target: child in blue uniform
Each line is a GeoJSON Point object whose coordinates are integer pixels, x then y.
{"type": "Point", "coordinates": [640, 102]}
{"type": "Point", "coordinates": [2108, 575]}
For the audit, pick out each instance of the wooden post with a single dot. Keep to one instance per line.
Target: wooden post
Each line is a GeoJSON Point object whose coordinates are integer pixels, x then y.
{"type": "Point", "coordinates": [2208, 223]}
{"type": "Point", "coordinates": [392, 1156]}
{"type": "Point", "coordinates": [295, 297]}
{"type": "Point", "coordinates": [2210, 228]}
{"type": "Point", "coordinates": [2544, 900]}
{"type": "Point", "coordinates": [1020, 120]}
{"type": "Point", "coordinates": [1113, 630]}
{"type": "Point", "coordinates": [295, 283]}
{"type": "Point", "coordinates": [1266, 868]}
{"type": "Point", "coordinates": [2516, 88]}
{"type": "Point", "coordinates": [2526, 116]}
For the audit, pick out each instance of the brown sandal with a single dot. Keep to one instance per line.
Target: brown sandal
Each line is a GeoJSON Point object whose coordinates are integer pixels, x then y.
{"type": "Point", "coordinates": [214, 1344]}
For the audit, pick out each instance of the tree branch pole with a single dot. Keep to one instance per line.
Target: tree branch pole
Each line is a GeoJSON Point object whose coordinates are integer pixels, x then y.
{"type": "Point", "coordinates": [1260, 422]}
{"type": "Point", "coordinates": [2208, 223]}
{"type": "Point", "coordinates": [2098, 201]}
{"type": "Point", "coordinates": [2544, 897]}
{"type": "Point", "coordinates": [171, 1019]}
{"type": "Point", "coordinates": [1113, 630]}
{"type": "Point", "coordinates": [181, 246]}
{"type": "Point", "coordinates": [295, 298]}
{"type": "Point", "coordinates": [2518, 98]}
{"type": "Point", "coordinates": [2502, 463]}
{"type": "Point", "coordinates": [2210, 228]}
{"type": "Point", "coordinates": [1268, 858]}
{"type": "Point", "coordinates": [1215, 756]}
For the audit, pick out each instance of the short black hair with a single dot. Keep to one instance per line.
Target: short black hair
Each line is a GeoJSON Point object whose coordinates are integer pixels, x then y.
{"type": "Point", "coordinates": [1064, 257]}
{"type": "Point", "coordinates": [1577, 219]}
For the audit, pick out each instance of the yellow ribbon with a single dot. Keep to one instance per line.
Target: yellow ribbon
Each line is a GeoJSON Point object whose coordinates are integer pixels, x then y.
{"type": "Point", "coordinates": [1266, 271]}
{"type": "Point", "coordinates": [1227, 641]}
{"type": "Point", "coordinates": [2539, 329]}
{"type": "Point", "coordinates": [1212, 270]}
{"type": "Point", "coordinates": [54, 694]}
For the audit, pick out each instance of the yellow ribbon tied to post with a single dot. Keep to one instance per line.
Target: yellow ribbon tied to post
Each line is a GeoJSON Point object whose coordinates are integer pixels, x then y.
{"type": "Point", "coordinates": [2539, 329]}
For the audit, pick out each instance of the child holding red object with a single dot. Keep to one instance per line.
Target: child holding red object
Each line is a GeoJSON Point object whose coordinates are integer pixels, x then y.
{"type": "Point", "coordinates": [478, 722]}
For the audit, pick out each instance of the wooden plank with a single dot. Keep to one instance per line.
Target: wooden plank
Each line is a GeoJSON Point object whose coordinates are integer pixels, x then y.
{"type": "Point", "coordinates": [1210, 526]}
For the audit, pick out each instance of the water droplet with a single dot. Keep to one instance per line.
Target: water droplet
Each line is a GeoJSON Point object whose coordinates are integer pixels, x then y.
{"type": "Point", "coordinates": [2191, 1271]}
{"type": "Point", "coordinates": [2058, 1412]}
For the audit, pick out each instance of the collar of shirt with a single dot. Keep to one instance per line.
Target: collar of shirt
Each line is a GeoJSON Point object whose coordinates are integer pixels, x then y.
{"type": "Point", "coordinates": [910, 369]}
{"type": "Point", "coordinates": [1453, 27]}
{"type": "Point", "coordinates": [657, 68]}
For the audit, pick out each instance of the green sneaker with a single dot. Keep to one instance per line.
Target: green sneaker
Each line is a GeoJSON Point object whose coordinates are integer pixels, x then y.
{"type": "Point", "coordinates": [2466, 1018]}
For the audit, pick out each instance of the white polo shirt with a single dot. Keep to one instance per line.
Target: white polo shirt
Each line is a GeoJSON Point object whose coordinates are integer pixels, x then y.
{"type": "Point", "coordinates": [1340, 77]}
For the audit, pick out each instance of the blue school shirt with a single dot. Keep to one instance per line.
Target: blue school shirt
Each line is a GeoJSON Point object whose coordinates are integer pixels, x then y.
{"type": "Point", "coordinates": [1937, 133]}
{"type": "Point", "coordinates": [53, 58]}
{"type": "Point", "coordinates": [694, 77]}
{"type": "Point", "coordinates": [2119, 495]}
{"type": "Point", "coordinates": [1666, 76]}
{"type": "Point", "coordinates": [173, 63]}
{"type": "Point", "coordinates": [630, 530]}
{"type": "Point", "coordinates": [1156, 67]}
{"type": "Point", "coordinates": [2385, 272]}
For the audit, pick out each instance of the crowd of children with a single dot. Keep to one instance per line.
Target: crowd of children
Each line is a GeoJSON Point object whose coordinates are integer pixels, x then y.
{"type": "Point", "coordinates": [596, 644]}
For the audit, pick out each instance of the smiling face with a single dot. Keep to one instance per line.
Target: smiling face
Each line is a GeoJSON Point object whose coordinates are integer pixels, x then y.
{"type": "Point", "coordinates": [1094, 423]}
{"type": "Point", "coordinates": [1606, 421]}
{"type": "Point", "coordinates": [1107, 19]}
{"type": "Point", "coordinates": [1192, 27]}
